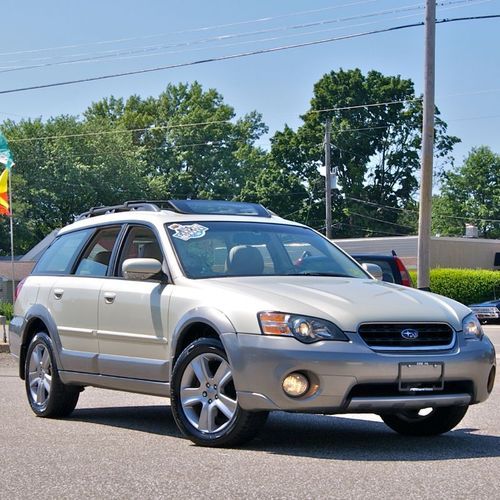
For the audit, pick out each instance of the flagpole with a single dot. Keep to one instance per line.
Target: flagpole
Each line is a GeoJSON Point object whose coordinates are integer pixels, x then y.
{"type": "Point", "coordinates": [12, 236]}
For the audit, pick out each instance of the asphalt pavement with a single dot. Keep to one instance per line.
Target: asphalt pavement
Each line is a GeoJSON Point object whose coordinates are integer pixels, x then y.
{"type": "Point", "coordinates": [119, 445]}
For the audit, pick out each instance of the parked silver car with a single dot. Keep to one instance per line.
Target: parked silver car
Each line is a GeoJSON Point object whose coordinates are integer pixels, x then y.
{"type": "Point", "coordinates": [233, 312]}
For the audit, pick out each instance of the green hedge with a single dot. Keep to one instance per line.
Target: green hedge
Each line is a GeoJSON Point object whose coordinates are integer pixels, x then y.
{"type": "Point", "coordinates": [465, 285]}
{"type": "Point", "coordinates": [6, 310]}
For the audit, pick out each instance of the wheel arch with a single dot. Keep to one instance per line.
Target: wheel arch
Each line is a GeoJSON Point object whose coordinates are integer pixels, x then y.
{"type": "Point", "coordinates": [198, 323]}
{"type": "Point", "coordinates": [38, 319]}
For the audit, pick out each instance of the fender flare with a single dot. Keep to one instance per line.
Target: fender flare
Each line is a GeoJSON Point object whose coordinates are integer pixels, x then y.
{"type": "Point", "coordinates": [39, 312]}
{"type": "Point", "coordinates": [210, 316]}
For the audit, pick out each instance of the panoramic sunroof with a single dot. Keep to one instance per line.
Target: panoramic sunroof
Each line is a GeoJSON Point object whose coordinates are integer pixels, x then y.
{"type": "Point", "coordinates": [219, 207]}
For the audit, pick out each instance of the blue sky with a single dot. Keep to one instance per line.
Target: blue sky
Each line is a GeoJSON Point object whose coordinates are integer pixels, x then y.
{"type": "Point", "coordinates": [279, 85]}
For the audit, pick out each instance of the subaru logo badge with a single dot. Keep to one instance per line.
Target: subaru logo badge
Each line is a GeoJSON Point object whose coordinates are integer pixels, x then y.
{"type": "Point", "coordinates": [409, 334]}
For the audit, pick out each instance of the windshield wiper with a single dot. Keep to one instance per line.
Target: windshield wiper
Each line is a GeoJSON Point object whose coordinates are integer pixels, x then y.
{"type": "Point", "coordinates": [317, 273]}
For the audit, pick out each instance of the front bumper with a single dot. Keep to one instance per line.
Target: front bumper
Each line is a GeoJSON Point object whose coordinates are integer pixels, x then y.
{"type": "Point", "coordinates": [351, 377]}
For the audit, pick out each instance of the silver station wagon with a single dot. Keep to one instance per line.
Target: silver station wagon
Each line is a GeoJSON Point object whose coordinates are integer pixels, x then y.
{"type": "Point", "coordinates": [232, 312]}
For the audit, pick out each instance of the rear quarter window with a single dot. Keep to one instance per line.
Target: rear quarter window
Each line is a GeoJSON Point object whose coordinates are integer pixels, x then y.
{"type": "Point", "coordinates": [59, 257]}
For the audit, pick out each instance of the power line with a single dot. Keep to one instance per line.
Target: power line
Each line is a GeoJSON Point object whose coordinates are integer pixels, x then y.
{"type": "Point", "coordinates": [448, 5]}
{"type": "Point", "coordinates": [154, 128]}
{"type": "Point", "coordinates": [366, 229]}
{"type": "Point", "coordinates": [415, 212]}
{"type": "Point", "coordinates": [160, 127]}
{"type": "Point", "coordinates": [240, 55]}
{"type": "Point", "coordinates": [142, 50]}
{"type": "Point", "coordinates": [192, 30]}
{"type": "Point", "coordinates": [120, 154]}
{"type": "Point", "coordinates": [381, 220]}
{"type": "Point", "coordinates": [359, 106]}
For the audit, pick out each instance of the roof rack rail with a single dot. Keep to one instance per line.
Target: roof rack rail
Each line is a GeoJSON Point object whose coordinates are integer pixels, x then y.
{"type": "Point", "coordinates": [205, 207]}
{"type": "Point", "coordinates": [128, 206]}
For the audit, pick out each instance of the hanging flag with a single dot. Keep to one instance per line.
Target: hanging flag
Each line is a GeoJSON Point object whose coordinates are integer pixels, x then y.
{"type": "Point", "coordinates": [4, 194]}
{"type": "Point", "coordinates": [5, 154]}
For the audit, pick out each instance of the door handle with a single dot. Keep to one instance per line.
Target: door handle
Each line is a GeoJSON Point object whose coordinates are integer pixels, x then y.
{"type": "Point", "coordinates": [109, 297]}
{"type": "Point", "coordinates": [58, 293]}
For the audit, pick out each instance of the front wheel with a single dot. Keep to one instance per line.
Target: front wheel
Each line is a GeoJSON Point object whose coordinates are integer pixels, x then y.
{"type": "Point", "coordinates": [425, 422]}
{"type": "Point", "coordinates": [47, 395]}
{"type": "Point", "coordinates": [204, 399]}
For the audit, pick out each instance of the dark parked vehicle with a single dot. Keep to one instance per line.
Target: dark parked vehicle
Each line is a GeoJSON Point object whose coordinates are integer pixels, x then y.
{"type": "Point", "coordinates": [488, 311]}
{"type": "Point", "coordinates": [393, 268]}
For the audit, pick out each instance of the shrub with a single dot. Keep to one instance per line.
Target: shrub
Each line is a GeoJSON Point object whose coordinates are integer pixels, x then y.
{"type": "Point", "coordinates": [6, 310]}
{"type": "Point", "coordinates": [465, 285]}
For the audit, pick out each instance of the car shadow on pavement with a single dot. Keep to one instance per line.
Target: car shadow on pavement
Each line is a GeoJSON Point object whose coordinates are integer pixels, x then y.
{"type": "Point", "coordinates": [156, 419]}
{"type": "Point", "coordinates": [315, 436]}
{"type": "Point", "coordinates": [328, 437]}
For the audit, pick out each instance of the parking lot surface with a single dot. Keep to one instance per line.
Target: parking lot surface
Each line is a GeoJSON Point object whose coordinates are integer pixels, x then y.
{"type": "Point", "coordinates": [119, 445]}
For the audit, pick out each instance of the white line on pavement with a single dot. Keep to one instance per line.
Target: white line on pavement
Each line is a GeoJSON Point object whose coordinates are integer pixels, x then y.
{"type": "Point", "coordinates": [359, 416]}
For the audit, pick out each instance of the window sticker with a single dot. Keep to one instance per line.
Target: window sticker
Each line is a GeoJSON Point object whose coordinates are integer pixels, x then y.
{"type": "Point", "coordinates": [186, 233]}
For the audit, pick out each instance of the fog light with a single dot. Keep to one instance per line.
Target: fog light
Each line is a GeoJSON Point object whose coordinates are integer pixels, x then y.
{"type": "Point", "coordinates": [296, 384]}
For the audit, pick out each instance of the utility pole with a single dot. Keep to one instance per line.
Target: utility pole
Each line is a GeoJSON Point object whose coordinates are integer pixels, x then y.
{"type": "Point", "coordinates": [328, 182]}
{"type": "Point", "coordinates": [424, 221]}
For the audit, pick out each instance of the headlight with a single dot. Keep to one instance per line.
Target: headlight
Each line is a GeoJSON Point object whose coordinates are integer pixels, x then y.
{"type": "Point", "coordinates": [303, 328]}
{"type": "Point", "coordinates": [472, 327]}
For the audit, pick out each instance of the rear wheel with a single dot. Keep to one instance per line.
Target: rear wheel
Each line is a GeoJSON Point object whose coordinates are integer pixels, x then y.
{"type": "Point", "coordinates": [425, 422]}
{"type": "Point", "coordinates": [204, 399]}
{"type": "Point", "coordinates": [47, 395]}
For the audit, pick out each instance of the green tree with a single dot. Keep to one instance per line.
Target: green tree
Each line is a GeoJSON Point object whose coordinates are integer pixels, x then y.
{"type": "Point", "coordinates": [470, 194]}
{"type": "Point", "coordinates": [63, 167]}
{"type": "Point", "coordinates": [375, 149]}
{"type": "Point", "coordinates": [128, 149]}
{"type": "Point", "coordinates": [212, 159]}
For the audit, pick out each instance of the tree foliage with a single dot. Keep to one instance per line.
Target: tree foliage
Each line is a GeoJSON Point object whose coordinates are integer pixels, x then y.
{"type": "Point", "coordinates": [188, 143]}
{"type": "Point", "coordinates": [470, 194]}
{"type": "Point", "coordinates": [128, 149]}
{"type": "Point", "coordinates": [375, 149]}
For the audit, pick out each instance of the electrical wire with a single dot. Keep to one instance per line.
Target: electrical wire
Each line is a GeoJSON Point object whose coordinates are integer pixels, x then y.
{"type": "Point", "coordinates": [415, 212]}
{"type": "Point", "coordinates": [152, 128]}
{"type": "Point", "coordinates": [324, 22]}
{"type": "Point", "coordinates": [241, 54]}
{"type": "Point", "coordinates": [216, 122]}
{"type": "Point", "coordinates": [366, 229]}
{"type": "Point", "coordinates": [192, 30]}
{"type": "Point", "coordinates": [160, 127]}
{"type": "Point", "coordinates": [380, 220]}
{"type": "Point", "coordinates": [143, 51]}
{"type": "Point", "coordinates": [140, 54]}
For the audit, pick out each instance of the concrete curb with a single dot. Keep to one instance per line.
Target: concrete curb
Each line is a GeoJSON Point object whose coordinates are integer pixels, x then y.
{"type": "Point", "coordinates": [4, 347]}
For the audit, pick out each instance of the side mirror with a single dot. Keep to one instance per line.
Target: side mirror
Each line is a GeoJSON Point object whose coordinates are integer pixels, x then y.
{"type": "Point", "coordinates": [374, 269]}
{"type": "Point", "coordinates": [140, 269]}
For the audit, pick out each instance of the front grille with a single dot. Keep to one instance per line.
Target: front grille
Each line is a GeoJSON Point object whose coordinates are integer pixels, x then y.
{"type": "Point", "coordinates": [391, 390]}
{"type": "Point", "coordinates": [387, 336]}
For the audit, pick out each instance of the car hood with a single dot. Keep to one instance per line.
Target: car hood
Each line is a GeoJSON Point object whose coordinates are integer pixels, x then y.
{"type": "Point", "coordinates": [345, 301]}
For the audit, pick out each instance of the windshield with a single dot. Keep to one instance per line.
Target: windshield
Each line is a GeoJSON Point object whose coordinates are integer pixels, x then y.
{"type": "Point", "coordinates": [221, 249]}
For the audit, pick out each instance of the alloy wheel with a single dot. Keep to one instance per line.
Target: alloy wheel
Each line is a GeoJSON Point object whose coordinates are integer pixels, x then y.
{"type": "Point", "coordinates": [40, 375]}
{"type": "Point", "coordinates": [207, 394]}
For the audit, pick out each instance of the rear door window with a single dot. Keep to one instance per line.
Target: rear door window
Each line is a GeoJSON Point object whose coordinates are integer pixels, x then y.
{"type": "Point", "coordinates": [96, 259]}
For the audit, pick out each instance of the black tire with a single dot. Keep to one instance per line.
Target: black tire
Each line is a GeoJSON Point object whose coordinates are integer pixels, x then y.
{"type": "Point", "coordinates": [438, 421]}
{"type": "Point", "coordinates": [234, 430]}
{"type": "Point", "coordinates": [47, 395]}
